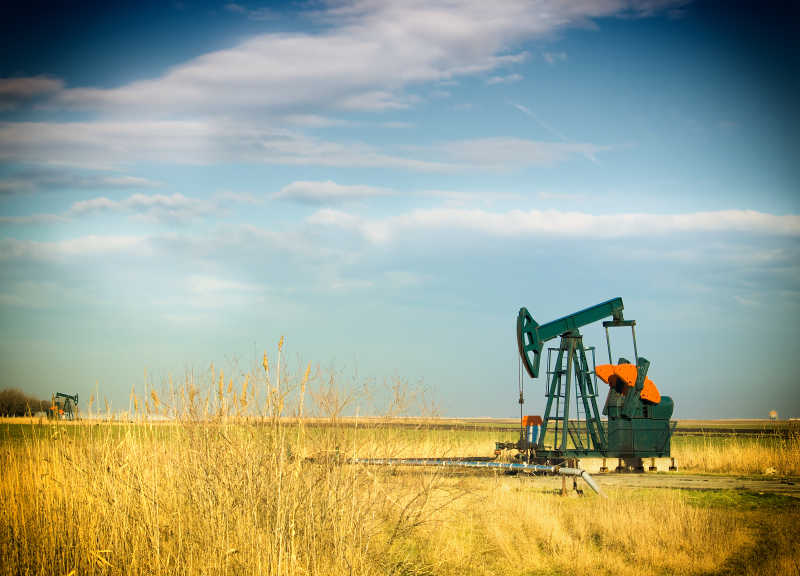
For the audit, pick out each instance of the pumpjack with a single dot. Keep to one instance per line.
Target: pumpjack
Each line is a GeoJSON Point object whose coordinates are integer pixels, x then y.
{"type": "Point", "coordinates": [63, 406]}
{"type": "Point", "coordinates": [638, 416]}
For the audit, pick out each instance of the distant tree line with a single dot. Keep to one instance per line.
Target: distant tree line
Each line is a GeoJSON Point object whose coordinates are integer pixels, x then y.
{"type": "Point", "coordinates": [14, 402]}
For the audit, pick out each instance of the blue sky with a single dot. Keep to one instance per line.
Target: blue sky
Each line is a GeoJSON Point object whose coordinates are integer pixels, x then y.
{"type": "Point", "coordinates": [385, 184]}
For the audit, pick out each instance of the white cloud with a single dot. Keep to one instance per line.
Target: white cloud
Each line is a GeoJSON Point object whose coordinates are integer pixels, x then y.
{"type": "Point", "coordinates": [105, 145]}
{"type": "Point", "coordinates": [15, 91]}
{"type": "Point", "coordinates": [44, 178]}
{"type": "Point", "coordinates": [12, 186]}
{"type": "Point", "coordinates": [219, 243]}
{"type": "Point", "coordinates": [161, 202]}
{"type": "Point", "coordinates": [256, 14]}
{"type": "Point", "coordinates": [731, 254]}
{"type": "Point", "coordinates": [205, 285]}
{"type": "Point", "coordinates": [126, 182]}
{"type": "Point", "coordinates": [505, 153]}
{"type": "Point", "coordinates": [376, 232]}
{"type": "Point", "coordinates": [212, 292]}
{"type": "Point", "coordinates": [226, 197]}
{"type": "Point", "coordinates": [366, 55]}
{"type": "Point", "coordinates": [327, 192]}
{"type": "Point", "coordinates": [648, 8]}
{"type": "Point", "coordinates": [510, 79]}
{"type": "Point", "coordinates": [397, 124]}
{"type": "Point", "coordinates": [456, 198]}
{"type": "Point", "coordinates": [552, 223]}
{"type": "Point", "coordinates": [561, 196]}
{"type": "Point", "coordinates": [100, 204]}
{"type": "Point", "coordinates": [377, 100]}
{"type": "Point", "coordinates": [13, 249]}
{"type": "Point", "coordinates": [230, 105]}
{"type": "Point", "coordinates": [155, 206]}
{"type": "Point", "coordinates": [553, 58]}
{"type": "Point", "coordinates": [34, 219]}
{"type": "Point", "coordinates": [87, 245]}
{"type": "Point", "coordinates": [314, 121]}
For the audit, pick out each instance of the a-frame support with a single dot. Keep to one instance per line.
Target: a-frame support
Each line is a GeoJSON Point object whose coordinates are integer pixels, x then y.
{"type": "Point", "coordinates": [561, 387]}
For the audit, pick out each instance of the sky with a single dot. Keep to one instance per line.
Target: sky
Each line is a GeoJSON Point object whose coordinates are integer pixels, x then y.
{"type": "Point", "coordinates": [385, 184]}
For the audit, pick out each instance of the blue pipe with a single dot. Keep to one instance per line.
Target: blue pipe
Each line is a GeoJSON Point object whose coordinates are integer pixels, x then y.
{"type": "Point", "coordinates": [550, 469]}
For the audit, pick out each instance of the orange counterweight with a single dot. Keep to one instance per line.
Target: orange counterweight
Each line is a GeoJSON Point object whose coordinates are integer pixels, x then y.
{"type": "Point", "coordinates": [531, 420]}
{"type": "Point", "coordinates": [611, 374]}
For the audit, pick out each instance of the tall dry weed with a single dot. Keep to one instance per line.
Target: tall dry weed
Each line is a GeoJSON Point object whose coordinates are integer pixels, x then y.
{"type": "Point", "coordinates": [201, 482]}
{"type": "Point", "coordinates": [767, 453]}
{"type": "Point", "coordinates": [509, 526]}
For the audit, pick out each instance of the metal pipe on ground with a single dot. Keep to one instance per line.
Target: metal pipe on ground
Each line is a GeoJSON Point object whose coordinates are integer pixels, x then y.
{"type": "Point", "coordinates": [516, 466]}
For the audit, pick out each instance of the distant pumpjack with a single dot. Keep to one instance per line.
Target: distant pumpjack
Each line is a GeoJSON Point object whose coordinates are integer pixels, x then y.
{"type": "Point", "coordinates": [63, 406]}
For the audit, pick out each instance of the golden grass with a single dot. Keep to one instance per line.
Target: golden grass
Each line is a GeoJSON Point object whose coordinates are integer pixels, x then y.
{"type": "Point", "coordinates": [190, 499]}
{"type": "Point", "coordinates": [223, 488]}
{"type": "Point", "coordinates": [220, 498]}
{"type": "Point", "coordinates": [506, 526]}
{"type": "Point", "coordinates": [226, 487]}
{"type": "Point", "coordinates": [739, 454]}
{"type": "Point", "coordinates": [748, 455]}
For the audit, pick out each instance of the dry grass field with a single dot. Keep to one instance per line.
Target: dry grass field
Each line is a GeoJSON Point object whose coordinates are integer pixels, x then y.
{"type": "Point", "coordinates": [237, 481]}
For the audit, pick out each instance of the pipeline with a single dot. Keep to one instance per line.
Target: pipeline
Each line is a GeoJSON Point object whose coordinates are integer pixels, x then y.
{"type": "Point", "coordinates": [517, 466]}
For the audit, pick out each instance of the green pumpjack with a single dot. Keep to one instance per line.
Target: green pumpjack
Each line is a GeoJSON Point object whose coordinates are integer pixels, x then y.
{"type": "Point", "coordinates": [635, 427]}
